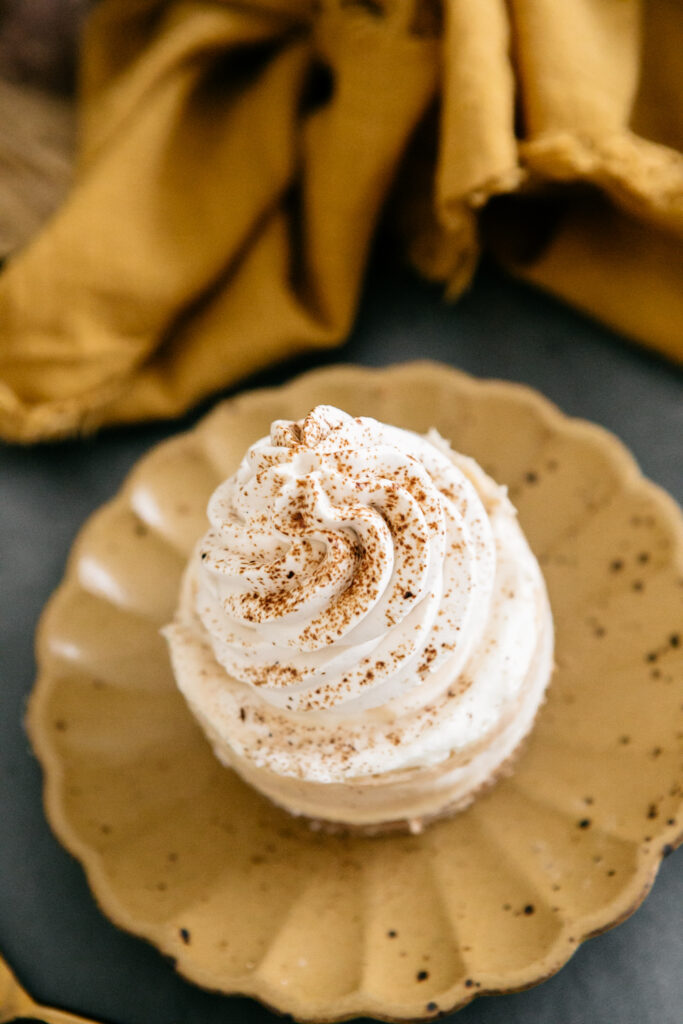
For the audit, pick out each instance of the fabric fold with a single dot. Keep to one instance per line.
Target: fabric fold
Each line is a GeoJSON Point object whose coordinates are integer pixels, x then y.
{"type": "Point", "coordinates": [235, 159]}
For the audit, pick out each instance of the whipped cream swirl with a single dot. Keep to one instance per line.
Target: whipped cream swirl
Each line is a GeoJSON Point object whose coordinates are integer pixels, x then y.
{"type": "Point", "coordinates": [364, 602]}
{"type": "Point", "coordinates": [346, 562]}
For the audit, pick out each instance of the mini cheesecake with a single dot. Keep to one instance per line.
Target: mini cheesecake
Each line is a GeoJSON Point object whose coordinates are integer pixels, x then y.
{"type": "Point", "coordinates": [363, 633]}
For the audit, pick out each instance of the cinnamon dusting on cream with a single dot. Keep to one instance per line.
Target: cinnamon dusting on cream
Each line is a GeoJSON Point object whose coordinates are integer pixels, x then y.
{"type": "Point", "coordinates": [364, 604]}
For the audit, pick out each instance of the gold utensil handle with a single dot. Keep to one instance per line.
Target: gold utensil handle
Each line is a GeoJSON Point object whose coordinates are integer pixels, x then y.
{"type": "Point", "coordinates": [15, 1003]}
{"type": "Point", "coordinates": [48, 1015]}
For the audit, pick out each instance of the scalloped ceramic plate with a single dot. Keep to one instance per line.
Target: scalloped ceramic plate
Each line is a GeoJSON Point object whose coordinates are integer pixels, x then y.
{"type": "Point", "coordinates": [247, 899]}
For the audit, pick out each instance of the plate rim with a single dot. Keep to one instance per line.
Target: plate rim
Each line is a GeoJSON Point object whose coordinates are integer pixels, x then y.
{"type": "Point", "coordinates": [358, 1002]}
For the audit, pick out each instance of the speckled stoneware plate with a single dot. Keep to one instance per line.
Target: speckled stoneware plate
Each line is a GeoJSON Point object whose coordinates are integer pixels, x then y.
{"type": "Point", "coordinates": [247, 899]}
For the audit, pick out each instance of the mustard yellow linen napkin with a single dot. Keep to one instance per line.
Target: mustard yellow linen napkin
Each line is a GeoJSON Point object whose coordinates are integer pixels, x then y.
{"type": "Point", "coordinates": [235, 157]}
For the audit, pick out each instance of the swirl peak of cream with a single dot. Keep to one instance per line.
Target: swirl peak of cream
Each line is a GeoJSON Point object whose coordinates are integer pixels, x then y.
{"type": "Point", "coordinates": [364, 605]}
{"type": "Point", "coordinates": [346, 561]}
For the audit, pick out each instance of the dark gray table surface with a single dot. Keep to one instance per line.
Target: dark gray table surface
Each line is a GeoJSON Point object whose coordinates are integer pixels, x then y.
{"type": "Point", "coordinates": [63, 949]}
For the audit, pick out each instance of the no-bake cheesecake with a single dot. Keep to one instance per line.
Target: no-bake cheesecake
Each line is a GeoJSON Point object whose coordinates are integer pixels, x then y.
{"type": "Point", "coordinates": [363, 633]}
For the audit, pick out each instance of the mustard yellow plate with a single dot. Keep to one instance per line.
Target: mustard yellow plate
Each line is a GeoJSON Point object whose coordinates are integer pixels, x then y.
{"type": "Point", "coordinates": [249, 900]}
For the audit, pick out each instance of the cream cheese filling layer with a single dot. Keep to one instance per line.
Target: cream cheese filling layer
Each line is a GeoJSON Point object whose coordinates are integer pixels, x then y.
{"type": "Point", "coordinates": [364, 606]}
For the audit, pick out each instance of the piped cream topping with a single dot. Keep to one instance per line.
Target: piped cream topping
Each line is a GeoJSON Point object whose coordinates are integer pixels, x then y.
{"type": "Point", "coordinates": [364, 601]}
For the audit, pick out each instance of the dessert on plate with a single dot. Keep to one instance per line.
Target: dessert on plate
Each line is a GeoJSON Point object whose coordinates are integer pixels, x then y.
{"type": "Point", "coordinates": [180, 852]}
{"type": "Point", "coordinates": [363, 633]}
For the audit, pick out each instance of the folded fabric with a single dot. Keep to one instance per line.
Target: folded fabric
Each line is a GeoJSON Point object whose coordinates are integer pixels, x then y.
{"type": "Point", "coordinates": [235, 157]}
